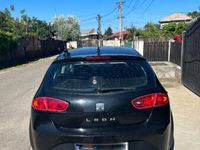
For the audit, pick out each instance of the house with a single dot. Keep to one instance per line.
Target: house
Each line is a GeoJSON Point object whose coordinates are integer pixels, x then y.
{"type": "Point", "coordinates": [176, 17]}
{"type": "Point", "coordinates": [116, 36]}
{"type": "Point", "coordinates": [88, 34]}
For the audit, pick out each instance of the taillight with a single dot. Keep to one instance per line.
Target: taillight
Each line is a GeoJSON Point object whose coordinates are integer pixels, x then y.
{"type": "Point", "coordinates": [49, 104]}
{"type": "Point", "coordinates": [95, 58]}
{"type": "Point", "coordinates": [150, 101]}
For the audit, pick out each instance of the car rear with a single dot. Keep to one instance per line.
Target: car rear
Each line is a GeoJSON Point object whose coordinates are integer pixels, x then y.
{"type": "Point", "coordinates": [101, 102]}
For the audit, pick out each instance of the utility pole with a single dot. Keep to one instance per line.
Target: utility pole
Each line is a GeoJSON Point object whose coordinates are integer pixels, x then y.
{"type": "Point", "coordinates": [99, 30]}
{"type": "Point", "coordinates": [121, 20]}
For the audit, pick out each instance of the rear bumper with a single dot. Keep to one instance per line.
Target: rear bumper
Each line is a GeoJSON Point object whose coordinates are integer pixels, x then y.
{"type": "Point", "coordinates": [48, 137]}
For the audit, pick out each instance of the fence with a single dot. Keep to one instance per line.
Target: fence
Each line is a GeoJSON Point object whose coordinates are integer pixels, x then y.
{"type": "Point", "coordinates": [88, 43]}
{"type": "Point", "coordinates": [175, 53]}
{"type": "Point", "coordinates": [94, 43]}
{"type": "Point", "coordinates": [159, 50]}
{"type": "Point", "coordinates": [156, 50]}
{"type": "Point", "coordinates": [191, 57]}
{"type": "Point", "coordinates": [29, 49]}
{"type": "Point", "coordinates": [12, 58]}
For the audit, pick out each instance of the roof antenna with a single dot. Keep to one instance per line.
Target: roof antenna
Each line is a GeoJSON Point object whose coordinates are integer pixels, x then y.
{"type": "Point", "coordinates": [98, 44]}
{"type": "Point", "coordinates": [98, 51]}
{"type": "Point", "coordinates": [99, 34]}
{"type": "Point", "coordinates": [65, 52]}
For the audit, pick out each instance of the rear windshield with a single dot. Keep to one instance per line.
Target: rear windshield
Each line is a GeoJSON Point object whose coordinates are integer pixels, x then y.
{"type": "Point", "coordinates": [95, 76]}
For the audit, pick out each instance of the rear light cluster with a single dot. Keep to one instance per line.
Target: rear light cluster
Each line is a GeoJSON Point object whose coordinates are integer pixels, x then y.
{"type": "Point", "coordinates": [150, 101]}
{"type": "Point", "coordinates": [49, 104]}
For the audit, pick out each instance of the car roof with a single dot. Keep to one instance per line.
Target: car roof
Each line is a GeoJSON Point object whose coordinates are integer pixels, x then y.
{"type": "Point", "coordinates": [99, 51]}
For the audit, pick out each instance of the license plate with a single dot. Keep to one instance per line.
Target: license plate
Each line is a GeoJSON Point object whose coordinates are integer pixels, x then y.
{"type": "Point", "coordinates": [121, 146]}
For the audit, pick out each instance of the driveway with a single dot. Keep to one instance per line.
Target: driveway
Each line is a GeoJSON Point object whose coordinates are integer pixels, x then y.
{"type": "Point", "coordinates": [186, 110]}
{"type": "Point", "coordinates": [17, 88]}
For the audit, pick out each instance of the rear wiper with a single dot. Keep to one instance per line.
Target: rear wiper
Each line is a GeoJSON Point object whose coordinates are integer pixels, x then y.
{"type": "Point", "coordinates": [104, 90]}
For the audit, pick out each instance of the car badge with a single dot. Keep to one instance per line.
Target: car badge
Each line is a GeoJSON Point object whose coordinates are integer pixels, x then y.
{"type": "Point", "coordinates": [100, 107]}
{"type": "Point", "coordinates": [94, 81]}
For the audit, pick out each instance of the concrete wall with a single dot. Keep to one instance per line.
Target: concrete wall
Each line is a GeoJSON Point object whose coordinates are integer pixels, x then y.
{"type": "Point", "coordinates": [166, 70]}
{"type": "Point", "coordinates": [111, 43]}
{"type": "Point", "coordinates": [74, 44]}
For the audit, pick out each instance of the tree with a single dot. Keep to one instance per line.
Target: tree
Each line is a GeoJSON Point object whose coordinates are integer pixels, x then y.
{"type": "Point", "coordinates": [66, 28]}
{"type": "Point", "coordinates": [108, 32]}
{"type": "Point", "coordinates": [8, 42]}
{"type": "Point", "coordinates": [7, 23]}
{"type": "Point", "coordinates": [7, 12]}
{"type": "Point", "coordinates": [152, 30]}
{"type": "Point", "coordinates": [150, 26]}
{"type": "Point", "coordinates": [12, 8]}
{"type": "Point", "coordinates": [40, 29]}
{"type": "Point", "coordinates": [24, 19]}
{"type": "Point", "coordinates": [134, 32]}
{"type": "Point", "coordinates": [173, 29]}
{"type": "Point", "coordinates": [194, 14]}
{"type": "Point", "coordinates": [43, 33]}
{"type": "Point", "coordinates": [12, 29]}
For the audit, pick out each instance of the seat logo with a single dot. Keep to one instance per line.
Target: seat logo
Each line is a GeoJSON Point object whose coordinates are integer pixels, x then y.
{"type": "Point", "coordinates": [98, 120]}
{"type": "Point", "coordinates": [100, 107]}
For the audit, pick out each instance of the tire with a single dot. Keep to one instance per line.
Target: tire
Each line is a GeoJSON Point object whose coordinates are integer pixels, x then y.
{"type": "Point", "coordinates": [30, 148]}
{"type": "Point", "coordinates": [172, 134]}
{"type": "Point", "coordinates": [172, 146]}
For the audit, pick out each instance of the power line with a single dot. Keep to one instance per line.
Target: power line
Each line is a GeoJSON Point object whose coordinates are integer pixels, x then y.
{"type": "Point", "coordinates": [103, 16]}
{"type": "Point", "coordinates": [110, 13]}
{"type": "Point", "coordinates": [136, 4]}
{"type": "Point", "coordinates": [129, 5]}
{"type": "Point", "coordinates": [109, 20]}
{"type": "Point", "coordinates": [109, 23]}
{"type": "Point", "coordinates": [103, 20]}
{"type": "Point", "coordinates": [145, 10]}
{"type": "Point", "coordinates": [88, 19]}
{"type": "Point", "coordinates": [90, 22]}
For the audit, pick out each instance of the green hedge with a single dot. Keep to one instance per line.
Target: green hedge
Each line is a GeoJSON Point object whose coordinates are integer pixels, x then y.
{"type": "Point", "coordinates": [8, 42]}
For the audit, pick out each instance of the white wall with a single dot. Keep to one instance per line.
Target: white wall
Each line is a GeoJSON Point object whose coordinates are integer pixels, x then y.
{"type": "Point", "coordinates": [139, 46]}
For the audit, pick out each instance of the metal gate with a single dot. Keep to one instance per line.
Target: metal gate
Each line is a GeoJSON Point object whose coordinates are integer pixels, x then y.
{"type": "Point", "coordinates": [191, 57]}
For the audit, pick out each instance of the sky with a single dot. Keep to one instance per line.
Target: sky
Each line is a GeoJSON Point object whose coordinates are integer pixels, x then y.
{"type": "Point", "coordinates": [135, 12]}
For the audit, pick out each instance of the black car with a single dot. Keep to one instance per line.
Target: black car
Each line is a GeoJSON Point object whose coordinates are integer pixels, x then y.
{"type": "Point", "coordinates": [101, 99]}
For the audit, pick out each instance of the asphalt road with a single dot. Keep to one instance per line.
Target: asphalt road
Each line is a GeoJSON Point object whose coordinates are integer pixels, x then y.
{"type": "Point", "coordinates": [18, 86]}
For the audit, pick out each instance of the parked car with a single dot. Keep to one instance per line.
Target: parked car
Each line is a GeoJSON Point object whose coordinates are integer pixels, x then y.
{"type": "Point", "coordinates": [101, 98]}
